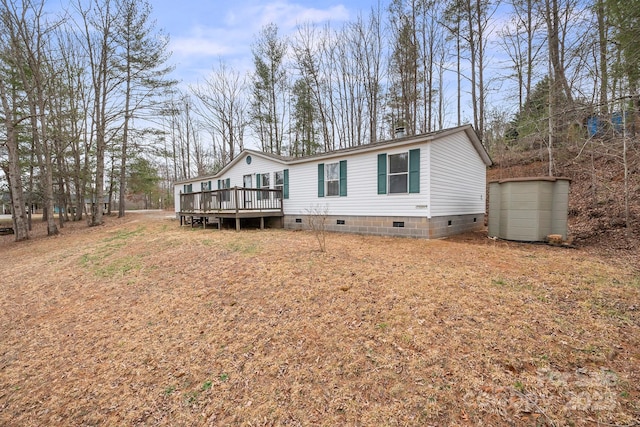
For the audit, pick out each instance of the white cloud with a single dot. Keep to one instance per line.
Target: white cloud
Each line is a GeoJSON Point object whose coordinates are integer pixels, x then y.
{"type": "Point", "coordinates": [201, 41]}
{"type": "Point", "coordinates": [229, 35]}
{"type": "Point", "coordinates": [287, 15]}
{"type": "Point", "coordinates": [201, 46]}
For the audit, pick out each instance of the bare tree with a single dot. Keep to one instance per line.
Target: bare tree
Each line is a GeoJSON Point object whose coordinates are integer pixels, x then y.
{"type": "Point", "coordinates": [521, 40]}
{"type": "Point", "coordinates": [470, 21]}
{"type": "Point", "coordinates": [74, 110]}
{"type": "Point", "coordinates": [97, 26]}
{"type": "Point", "coordinates": [371, 60]}
{"type": "Point", "coordinates": [223, 108]}
{"type": "Point", "coordinates": [349, 89]}
{"type": "Point", "coordinates": [432, 45]}
{"type": "Point", "coordinates": [556, 32]}
{"type": "Point", "coordinates": [317, 217]}
{"type": "Point", "coordinates": [310, 48]}
{"type": "Point", "coordinates": [603, 43]}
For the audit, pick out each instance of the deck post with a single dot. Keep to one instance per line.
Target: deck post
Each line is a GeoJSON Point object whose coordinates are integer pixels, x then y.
{"type": "Point", "coordinates": [282, 203]}
{"type": "Point", "coordinates": [261, 223]}
{"type": "Point", "coordinates": [235, 199]}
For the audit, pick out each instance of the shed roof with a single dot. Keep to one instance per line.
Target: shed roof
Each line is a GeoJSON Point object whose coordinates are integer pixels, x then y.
{"type": "Point", "coordinates": [531, 178]}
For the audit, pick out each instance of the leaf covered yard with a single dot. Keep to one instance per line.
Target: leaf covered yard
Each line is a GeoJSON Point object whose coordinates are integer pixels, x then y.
{"type": "Point", "coordinates": [141, 322]}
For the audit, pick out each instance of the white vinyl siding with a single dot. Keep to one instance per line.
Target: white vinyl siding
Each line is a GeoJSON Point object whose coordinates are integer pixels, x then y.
{"type": "Point", "coordinates": [450, 173]}
{"type": "Point", "coordinates": [458, 177]}
{"type": "Point", "coordinates": [362, 197]}
{"type": "Point", "coordinates": [259, 165]}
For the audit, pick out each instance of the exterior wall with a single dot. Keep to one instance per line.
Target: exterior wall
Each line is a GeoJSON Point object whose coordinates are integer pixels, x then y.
{"type": "Point", "coordinates": [452, 179]}
{"type": "Point", "coordinates": [560, 208]}
{"type": "Point", "coordinates": [444, 226]}
{"type": "Point", "coordinates": [177, 190]}
{"type": "Point", "coordinates": [362, 189]}
{"type": "Point", "coordinates": [495, 208]}
{"type": "Point", "coordinates": [458, 177]}
{"type": "Point", "coordinates": [419, 227]}
{"type": "Point", "coordinates": [259, 165]}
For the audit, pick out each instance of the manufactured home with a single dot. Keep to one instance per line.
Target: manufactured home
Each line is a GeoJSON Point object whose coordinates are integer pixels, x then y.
{"type": "Point", "coordinates": [430, 186]}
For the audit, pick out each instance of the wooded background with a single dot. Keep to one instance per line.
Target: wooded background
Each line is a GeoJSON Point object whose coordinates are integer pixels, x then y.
{"type": "Point", "coordinates": [90, 110]}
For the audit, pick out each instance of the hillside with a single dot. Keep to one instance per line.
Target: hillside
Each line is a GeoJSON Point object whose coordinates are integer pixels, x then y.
{"type": "Point", "coordinates": [596, 205]}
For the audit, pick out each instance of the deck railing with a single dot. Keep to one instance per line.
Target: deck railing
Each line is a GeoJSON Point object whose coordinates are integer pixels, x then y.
{"type": "Point", "coordinates": [231, 200]}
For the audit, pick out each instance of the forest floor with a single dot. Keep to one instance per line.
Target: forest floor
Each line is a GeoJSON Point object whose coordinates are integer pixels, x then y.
{"type": "Point", "coordinates": [143, 322]}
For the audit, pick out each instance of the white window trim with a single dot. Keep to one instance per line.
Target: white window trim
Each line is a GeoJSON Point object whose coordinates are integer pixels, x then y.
{"type": "Point", "coordinates": [389, 174]}
{"type": "Point", "coordinates": [327, 180]}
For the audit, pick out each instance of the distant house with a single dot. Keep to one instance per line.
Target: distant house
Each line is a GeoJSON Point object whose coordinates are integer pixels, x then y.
{"type": "Point", "coordinates": [431, 185]}
{"type": "Point", "coordinates": [5, 204]}
{"type": "Point", "coordinates": [89, 202]}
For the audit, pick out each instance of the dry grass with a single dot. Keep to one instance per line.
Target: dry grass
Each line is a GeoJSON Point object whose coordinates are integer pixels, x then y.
{"type": "Point", "coordinates": [140, 322]}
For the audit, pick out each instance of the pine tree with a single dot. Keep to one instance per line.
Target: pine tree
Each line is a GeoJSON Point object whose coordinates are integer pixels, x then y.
{"type": "Point", "coordinates": [142, 67]}
{"type": "Point", "coordinates": [269, 88]}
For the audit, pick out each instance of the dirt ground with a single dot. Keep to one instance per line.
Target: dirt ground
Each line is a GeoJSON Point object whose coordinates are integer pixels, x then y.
{"type": "Point", "coordinates": [142, 322]}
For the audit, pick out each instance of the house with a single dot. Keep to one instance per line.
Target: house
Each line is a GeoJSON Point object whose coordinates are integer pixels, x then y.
{"type": "Point", "coordinates": [431, 185]}
{"type": "Point", "coordinates": [5, 204]}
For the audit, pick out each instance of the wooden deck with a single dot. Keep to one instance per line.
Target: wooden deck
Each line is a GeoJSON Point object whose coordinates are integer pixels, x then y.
{"type": "Point", "coordinates": [210, 206]}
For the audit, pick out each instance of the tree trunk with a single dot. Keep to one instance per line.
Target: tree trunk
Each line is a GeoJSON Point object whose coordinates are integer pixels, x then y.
{"type": "Point", "coordinates": [19, 215]}
{"type": "Point", "coordinates": [46, 169]}
{"type": "Point", "coordinates": [604, 65]}
{"type": "Point", "coordinates": [558, 69]}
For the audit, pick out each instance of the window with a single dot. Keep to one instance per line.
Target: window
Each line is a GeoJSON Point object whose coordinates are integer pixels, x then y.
{"type": "Point", "coordinates": [205, 186]}
{"type": "Point", "coordinates": [282, 182]}
{"type": "Point", "coordinates": [332, 179]}
{"type": "Point", "coordinates": [265, 182]}
{"type": "Point", "coordinates": [188, 188]}
{"type": "Point", "coordinates": [279, 180]}
{"type": "Point", "coordinates": [247, 182]}
{"type": "Point", "coordinates": [398, 172]}
{"type": "Point", "coordinates": [224, 184]}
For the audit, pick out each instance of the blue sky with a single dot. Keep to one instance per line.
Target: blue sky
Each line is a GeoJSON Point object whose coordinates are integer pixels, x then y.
{"type": "Point", "coordinates": [203, 32]}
